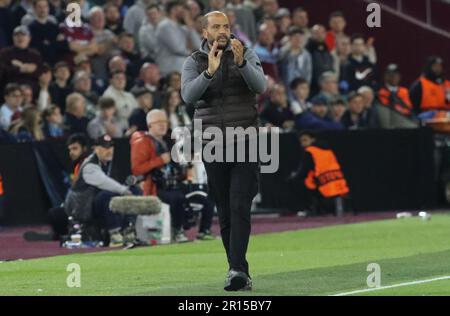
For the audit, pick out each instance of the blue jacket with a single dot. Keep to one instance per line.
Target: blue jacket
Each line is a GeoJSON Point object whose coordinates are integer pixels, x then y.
{"type": "Point", "coordinates": [308, 120]}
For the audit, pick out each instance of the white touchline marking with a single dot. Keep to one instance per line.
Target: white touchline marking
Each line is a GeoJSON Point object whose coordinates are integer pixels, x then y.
{"type": "Point", "coordinates": [393, 286]}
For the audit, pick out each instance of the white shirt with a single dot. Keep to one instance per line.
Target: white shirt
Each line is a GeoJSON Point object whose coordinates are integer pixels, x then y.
{"type": "Point", "coordinates": [125, 103]}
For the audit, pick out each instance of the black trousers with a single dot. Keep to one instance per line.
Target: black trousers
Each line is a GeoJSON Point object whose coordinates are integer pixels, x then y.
{"type": "Point", "coordinates": [176, 199]}
{"type": "Point", "coordinates": [232, 186]}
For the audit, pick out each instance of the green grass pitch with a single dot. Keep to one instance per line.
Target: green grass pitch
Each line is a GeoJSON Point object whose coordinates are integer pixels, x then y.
{"type": "Point", "coordinates": [322, 261]}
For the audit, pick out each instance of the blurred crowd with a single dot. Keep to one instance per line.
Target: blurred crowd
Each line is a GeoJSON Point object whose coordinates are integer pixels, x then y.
{"type": "Point", "coordinates": [125, 59]}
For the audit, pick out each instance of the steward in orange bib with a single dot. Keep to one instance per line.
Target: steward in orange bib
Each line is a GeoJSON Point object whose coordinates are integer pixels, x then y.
{"type": "Point", "coordinates": [321, 175]}
{"type": "Point", "coordinates": [392, 94]}
{"type": "Point", "coordinates": [431, 91]}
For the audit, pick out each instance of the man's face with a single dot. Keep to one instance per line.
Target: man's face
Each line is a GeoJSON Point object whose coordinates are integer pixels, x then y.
{"type": "Point", "coordinates": [14, 99]}
{"type": "Point", "coordinates": [343, 46]}
{"type": "Point", "coordinates": [330, 85]}
{"type": "Point", "coordinates": [80, 108]}
{"type": "Point", "coordinates": [392, 79]}
{"type": "Point", "coordinates": [112, 14]}
{"type": "Point", "coordinates": [145, 101]}
{"type": "Point", "coordinates": [320, 110]}
{"type": "Point", "coordinates": [270, 7]}
{"type": "Point", "coordinates": [217, 4]}
{"type": "Point", "coordinates": [300, 19]}
{"type": "Point", "coordinates": [151, 75]}
{"type": "Point", "coordinates": [356, 105]}
{"type": "Point", "coordinates": [97, 20]}
{"type": "Point", "coordinates": [358, 46]}
{"type": "Point", "coordinates": [83, 84]}
{"type": "Point", "coordinates": [319, 33]}
{"type": "Point", "coordinates": [153, 15]}
{"type": "Point", "coordinates": [297, 41]}
{"type": "Point", "coordinates": [437, 69]}
{"type": "Point", "coordinates": [302, 91]}
{"type": "Point", "coordinates": [368, 97]}
{"type": "Point", "coordinates": [218, 29]}
{"type": "Point", "coordinates": [265, 37]}
{"type": "Point", "coordinates": [338, 110]}
{"type": "Point", "coordinates": [104, 154]}
{"type": "Point", "coordinates": [21, 40]}
{"type": "Point", "coordinates": [62, 73]}
{"type": "Point", "coordinates": [27, 95]}
{"type": "Point", "coordinates": [41, 9]}
{"type": "Point", "coordinates": [119, 81]}
{"type": "Point", "coordinates": [75, 151]}
{"type": "Point", "coordinates": [109, 113]}
{"type": "Point", "coordinates": [158, 124]}
{"type": "Point", "coordinates": [306, 140]}
{"type": "Point", "coordinates": [127, 44]}
{"type": "Point", "coordinates": [55, 117]}
{"type": "Point", "coordinates": [337, 24]}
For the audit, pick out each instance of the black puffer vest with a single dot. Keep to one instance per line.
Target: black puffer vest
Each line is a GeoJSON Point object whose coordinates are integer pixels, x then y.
{"type": "Point", "coordinates": [228, 101]}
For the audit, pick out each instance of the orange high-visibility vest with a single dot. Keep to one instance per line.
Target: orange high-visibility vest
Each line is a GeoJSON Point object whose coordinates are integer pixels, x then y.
{"type": "Point", "coordinates": [327, 175]}
{"type": "Point", "coordinates": [1, 186]}
{"type": "Point", "coordinates": [434, 95]}
{"type": "Point", "coordinates": [402, 93]}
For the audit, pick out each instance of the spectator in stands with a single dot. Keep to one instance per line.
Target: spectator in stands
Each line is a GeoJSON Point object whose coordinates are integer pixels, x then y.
{"type": "Point", "coordinates": [117, 63]}
{"type": "Point", "coordinates": [328, 83]}
{"type": "Point", "coordinates": [6, 23]}
{"type": "Point", "coordinates": [392, 94]}
{"type": "Point", "coordinates": [150, 78]}
{"type": "Point", "coordinates": [27, 95]}
{"type": "Point", "coordinates": [245, 20]}
{"type": "Point", "coordinates": [82, 62]}
{"type": "Point", "coordinates": [41, 10]}
{"type": "Point", "coordinates": [53, 123]}
{"type": "Point", "coordinates": [82, 84]}
{"type": "Point", "coordinates": [432, 90]}
{"type": "Point", "coordinates": [337, 109]}
{"type": "Point", "coordinates": [216, 5]}
{"type": "Point", "coordinates": [75, 117]}
{"type": "Point", "coordinates": [59, 89]}
{"type": "Point", "coordinates": [176, 110]}
{"type": "Point", "coordinates": [46, 36]}
{"type": "Point", "coordinates": [113, 21]}
{"type": "Point", "coordinates": [283, 22]}
{"type": "Point", "coordinates": [300, 19]}
{"type": "Point", "coordinates": [20, 9]}
{"type": "Point", "coordinates": [28, 127]}
{"type": "Point", "coordinates": [148, 43]}
{"type": "Point", "coordinates": [81, 41]}
{"type": "Point", "coordinates": [134, 17]}
{"type": "Point", "coordinates": [270, 7]}
{"type": "Point", "coordinates": [11, 107]}
{"type": "Point", "coordinates": [132, 58]}
{"type": "Point", "coordinates": [337, 25]}
{"type": "Point", "coordinates": [106, 122]}
{"type": "Point", "coordinates": [370, 111]}
{"type": "Point", "coordinates": [317, 117]}
{"type": "Point", "coordinates": [300, 94]}
{"type": "Point", "coordinates": [321, 58]}
{"type": "Point", "coordinates": [105, 40]}
{"type": "Point", "coordinates": [295, 61]}
{"type": "Point", "coordinates": [177, 38]}
{"type": "Point", "coordinates": [173, 81]}
{"type": "Point", "coordinates": [236, 28]}
{"type": "Point", "coordinates": [256, 7]}
{"type": "Point", "coordinates": [196, 7]}
{"type": "Point", "coordinates": [354, 117]}
{"type": "Point", "coordinates": [340, 54]}
{"type": "Point", "coordinates": [277, 111]}
{"type": "Point", "coordinates": [20, 63]}
{"type": "Point", "coordinates": [43, 97]}
{"type": "Point", "coordinates": [267, 52]}
{"type": "Point", "coordinates": [138, 118]}
{"type": "Point", "coordinates": [359, 70]}
{"type": "Point", "coordinates": [125, 102]}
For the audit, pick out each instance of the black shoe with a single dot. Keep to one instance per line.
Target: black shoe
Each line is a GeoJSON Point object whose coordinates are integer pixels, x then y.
{"type": "Point", "coordinates": [235, 281]}
{"type": "Point", "coordinates": [248, 286]}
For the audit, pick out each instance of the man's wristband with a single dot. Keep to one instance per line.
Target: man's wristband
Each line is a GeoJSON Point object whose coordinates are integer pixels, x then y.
{"type": "Point", "coordinates": [208, 75]}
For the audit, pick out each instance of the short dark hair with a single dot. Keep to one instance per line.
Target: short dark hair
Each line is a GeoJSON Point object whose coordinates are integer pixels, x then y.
{"type": "Point", "coordinates": [61, 64]}
{"type": "Point", "coordinates": [49, 110]}
{"type": "Point", "coordinates": [295, 30]}
{"type": "Point", "coordinates": [77, 139]}
{"type": "Point", "coordinates": [337, 14]}
{"type": "Point", "coordinates": [105, 103]}
{"type": "Point", "coordinates": [338, 101]}
{"type": "Point", "coordinates": [299, 9]}
{"type": "Point", "coordinates": [36, 1]}
{"type": "Point", "coordinates": [298, 81]}
{"type": "Point", "coordinates": [125, 34]}
{"type": "Point", "coordinates": [309, 133]}
{"type": "Point", "coordinates": [171, 4]}
{"type": "Point", "coordinates": [357, 36]}
{"type": "Point", "coordinates": [10, 88]}
{"type": "Point", "coordinates": [153, 6]}
{"type": "Point", "coordinates": [353, 95]}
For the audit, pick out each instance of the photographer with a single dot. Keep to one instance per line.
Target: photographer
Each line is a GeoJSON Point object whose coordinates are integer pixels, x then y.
{"type": "Point", "coordinates": [89, 199]}
{"type": "Point", "coordinates": [150, 158]}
